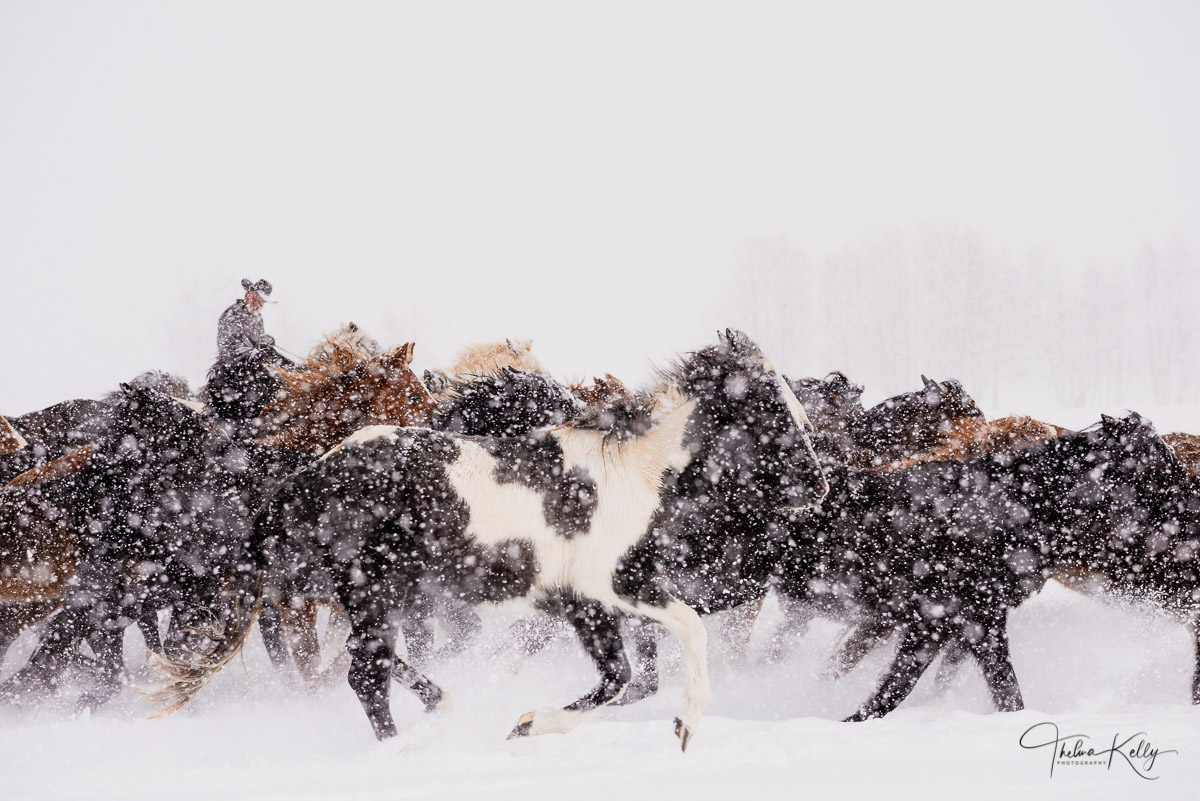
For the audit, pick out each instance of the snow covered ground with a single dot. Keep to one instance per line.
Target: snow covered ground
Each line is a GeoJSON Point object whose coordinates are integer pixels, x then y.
{"type": "Point", "coordinates": [771, 731]}
{"type": "Point", "coordinates": [1101, 668]}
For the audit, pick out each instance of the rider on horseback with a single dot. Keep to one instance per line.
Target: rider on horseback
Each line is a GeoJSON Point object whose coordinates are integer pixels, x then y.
{"type": "Point", "coordinates": [238, 386]}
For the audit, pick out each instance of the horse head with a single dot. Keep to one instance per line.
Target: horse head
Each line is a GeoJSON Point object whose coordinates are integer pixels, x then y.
{"type": "Point", "coordinates": [751, 430]}
{"type": "Point", "coordinates": [397, 395]}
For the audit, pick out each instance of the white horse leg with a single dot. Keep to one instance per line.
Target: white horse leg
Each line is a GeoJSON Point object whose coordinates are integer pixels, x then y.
{"type": "Point", "coordinates": [682, 621]}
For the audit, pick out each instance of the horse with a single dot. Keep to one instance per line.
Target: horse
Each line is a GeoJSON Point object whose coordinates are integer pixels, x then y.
{"type": "Point", "coordinates": [505, 403]}
{"type": "Point", "coordinates": [333, 395]}
{"type": "Point", "coordinates": [910, 423]}
{"type": "Point", "coordinates": [348, 336]}
{"type": "Point", "coordinates": [940, 551]}
{"type": "Point", "coordinates": [573, 519]}
{"type": "Point", "coordinates": [966, 437]}
{"type": "Point", "coordinates": [71, 424]}
{"type": "Point", "coordinates": [159, 522]}
{"type": "Point", "coordinates": [832, 403]}
{"type": "Point", "coordinates": [328, 399]}
{"type": "Point", "coordinates": [479, 360]}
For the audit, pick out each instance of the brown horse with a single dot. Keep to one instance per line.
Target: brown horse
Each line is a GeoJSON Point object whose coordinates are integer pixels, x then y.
{"type": "Point", "coordinates": [39, 548]}
{"type": "Point", "coordinates": [340, 391]}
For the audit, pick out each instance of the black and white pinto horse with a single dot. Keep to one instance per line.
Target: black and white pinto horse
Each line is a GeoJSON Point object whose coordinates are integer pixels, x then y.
{"type": "Point", "coordinates": [575, 520]}
{"type": "Point", "coordinates": [941, 551]}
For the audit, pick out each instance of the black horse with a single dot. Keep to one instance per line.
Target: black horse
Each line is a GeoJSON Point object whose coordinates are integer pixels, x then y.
{"type": "Point", "coordinates": [910, 423]}
{"type": "Point", "coordinates": [161, 523]}
{"type": "Point", "coordinates": [577, 520]}
{"type": "Point", "coordinates": [940, 552]}
{"type": "Point", "coordinates": [57, 429]}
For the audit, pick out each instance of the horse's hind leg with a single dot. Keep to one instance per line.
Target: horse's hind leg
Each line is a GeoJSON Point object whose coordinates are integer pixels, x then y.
{"type": "Point", "coordinates": [600, 633]}
{"type": "Point", "coordinates": [798, 613]}
{"type": "Point", "coordinates": [106, 645]}
{"type": "Point", "coordinates": [738, 625]}
{"type": "Point", "coordinates": [299, 619]}
{"type": "Point", "coordinates": [54, 652]}
{"type": "Point", "coordinates": [645, 674]}
{"type": "Point", "coordinates": [147, 623]}
{"type": "Point", "coordinates": [1194, 628]}
{"type": "Point", "coordinates": [417, 626]}
{"type": "Point", "coordinates": [917, 650]}
{"type": "Point", "coordinates": [16, 617]}
{"type": "Point", "coordinates": [991, 650]}
{"type": "Point", "coordinates": [462, 627]}
{"type": "Point", "coordinates": [270, 626]}
{"type": "Point", "coordinates": [373, 662]}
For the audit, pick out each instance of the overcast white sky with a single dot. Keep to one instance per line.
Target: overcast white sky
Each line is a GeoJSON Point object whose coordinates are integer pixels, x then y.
{"type": "Point", "coordinates": [585, 174]}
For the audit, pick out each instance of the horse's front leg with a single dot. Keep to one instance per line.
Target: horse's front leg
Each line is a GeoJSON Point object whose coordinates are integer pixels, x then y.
{"type": "Point", "coordinates": [990, 649]}
{"type": "Point", "coordinates": [270, 626]}
{"type": "Point", "coordinates": [599, 632]}
{"type": "Point", "coordinates": [684, 623]}
{"type": "Point", "coordinates": [917, 649]}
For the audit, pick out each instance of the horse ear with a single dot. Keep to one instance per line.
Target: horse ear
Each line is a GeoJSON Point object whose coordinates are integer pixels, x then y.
{"type": "Point", "coordinates": [926, 381]}
{"type": "Point", "coordinates": [1106, 420]}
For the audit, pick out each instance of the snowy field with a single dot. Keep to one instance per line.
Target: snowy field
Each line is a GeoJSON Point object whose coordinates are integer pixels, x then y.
{"type": "Point", "coordinates": [1095, 667]}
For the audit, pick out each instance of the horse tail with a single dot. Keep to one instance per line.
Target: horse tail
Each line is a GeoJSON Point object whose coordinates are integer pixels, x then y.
{"type": "Point", "coordinates": [188, 669]}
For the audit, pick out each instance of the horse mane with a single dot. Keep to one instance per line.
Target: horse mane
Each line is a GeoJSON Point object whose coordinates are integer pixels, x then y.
{"type": "Point", "coordinates": [488, 358]}
{"type": "Point", "coordinates": [348, 336]}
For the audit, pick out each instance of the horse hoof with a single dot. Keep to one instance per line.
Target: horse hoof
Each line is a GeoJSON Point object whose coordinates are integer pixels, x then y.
{"type": "Point", "coordinates": [442, 703]}
{"type": "Point", "coordinates": [523, 728]}
{"type": "Point", "coordinates": [858, 717]}
{"type": "Point", "coordinates": [683, 733]}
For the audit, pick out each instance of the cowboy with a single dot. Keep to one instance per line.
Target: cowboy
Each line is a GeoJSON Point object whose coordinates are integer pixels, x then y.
{"type": "Point", "coordinates": [240, 331]}
{"type": "Point", "coordinates": [238, 386]}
